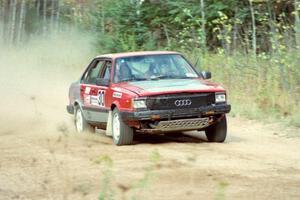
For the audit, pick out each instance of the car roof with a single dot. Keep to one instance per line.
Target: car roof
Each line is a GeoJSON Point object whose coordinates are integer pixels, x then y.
{"type": "Point", "coordinates": [137, 53]}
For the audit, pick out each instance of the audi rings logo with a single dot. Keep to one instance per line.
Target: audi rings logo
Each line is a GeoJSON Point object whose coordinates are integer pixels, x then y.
{"type": "Point", "coordinates": [183, 102]}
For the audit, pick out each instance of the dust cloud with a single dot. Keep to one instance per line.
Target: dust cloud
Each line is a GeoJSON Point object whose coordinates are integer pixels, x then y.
{"type": "Point", "coordinates": [35, 77]}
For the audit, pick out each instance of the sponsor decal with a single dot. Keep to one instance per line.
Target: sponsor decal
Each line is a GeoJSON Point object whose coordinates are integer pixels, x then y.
{"type": "Point", "coordinates": [117, 95]}
{"type": "Point", "coordinates": [87, 99]}
{"type": "Point", "coordinates": [94, 100]}
{"type": "Point", "coordinates": [117, 89]}
{"type": "Point", "coordinates": [87, 90]}
{"type": "Point", "coordinates": [98, 100]}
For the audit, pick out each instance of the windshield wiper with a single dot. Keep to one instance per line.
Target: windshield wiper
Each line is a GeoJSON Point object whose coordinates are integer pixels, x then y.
{"type": "Point", "coordinates": [158, 77]}
{"type": "Point", "coordinates": [183, 77]}
{"type": "Point", "coordinates": [133, 79]}
{"type": "Point", "coordinates": [140, 79]}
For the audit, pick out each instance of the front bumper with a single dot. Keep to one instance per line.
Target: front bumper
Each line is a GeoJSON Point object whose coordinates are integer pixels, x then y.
{"type": "Point", "coordinates": [176, 113]}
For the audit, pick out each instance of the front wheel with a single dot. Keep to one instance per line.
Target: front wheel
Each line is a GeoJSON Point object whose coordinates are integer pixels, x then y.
{"type": "Point", "coordinates": [122, 133]}
{"type": "Point", "coordinates": [218, 131]}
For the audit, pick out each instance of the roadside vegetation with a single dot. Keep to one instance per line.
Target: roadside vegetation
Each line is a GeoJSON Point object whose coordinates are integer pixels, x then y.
{"type": "Point", "coordinates": [251, 47]}
{"type": "Point", "coordinates": [135, 190]}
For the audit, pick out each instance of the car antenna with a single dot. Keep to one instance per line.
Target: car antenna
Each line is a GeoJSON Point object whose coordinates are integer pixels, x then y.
{"type": "Point", "coordinates": [196, 67]}
{"type": "Point", "coordinates": [197, 61]}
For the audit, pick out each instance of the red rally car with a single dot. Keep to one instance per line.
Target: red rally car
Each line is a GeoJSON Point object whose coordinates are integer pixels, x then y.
{"type": "Point", "coordinates": [156, 91]}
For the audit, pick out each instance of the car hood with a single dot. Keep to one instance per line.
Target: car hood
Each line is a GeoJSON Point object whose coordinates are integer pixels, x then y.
{"type": "Point", "coordinates": [168, 86]}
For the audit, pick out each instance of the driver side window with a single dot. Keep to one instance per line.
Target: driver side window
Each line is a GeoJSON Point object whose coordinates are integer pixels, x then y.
{"type": "Point", "coordinates": [94, 72]}
{"type": "Point", "coordinates": [106, 73]}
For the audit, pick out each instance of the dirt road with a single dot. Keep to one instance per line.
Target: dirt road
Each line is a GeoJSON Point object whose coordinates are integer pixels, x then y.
{"type": "Point", "coordinates": [41, 157]}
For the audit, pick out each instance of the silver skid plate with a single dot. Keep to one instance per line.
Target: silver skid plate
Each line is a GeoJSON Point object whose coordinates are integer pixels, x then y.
{"type": "Point", "coordinates": [180, 125]}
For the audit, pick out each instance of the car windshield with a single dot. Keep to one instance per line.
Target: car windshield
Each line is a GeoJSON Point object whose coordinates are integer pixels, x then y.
{"type": "Point", "coordinates": [152, 67]}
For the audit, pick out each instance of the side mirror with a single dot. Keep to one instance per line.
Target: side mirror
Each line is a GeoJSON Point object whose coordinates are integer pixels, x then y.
{"type": "Point", "coordinates": [102, 82]}
{"type": "Point", "coordinates": [206, 74]}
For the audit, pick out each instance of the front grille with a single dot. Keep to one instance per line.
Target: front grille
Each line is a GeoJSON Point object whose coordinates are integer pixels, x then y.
{"type": "Point", "coordinates": [180, 101]}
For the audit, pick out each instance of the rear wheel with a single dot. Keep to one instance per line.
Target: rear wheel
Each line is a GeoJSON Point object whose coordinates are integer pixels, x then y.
{"type": "Point", "coordinates": [217, 132]}
{"type": "Point", "coordinates": [81, 124]}
{"type": "Point", "coordinates": [122, 133]}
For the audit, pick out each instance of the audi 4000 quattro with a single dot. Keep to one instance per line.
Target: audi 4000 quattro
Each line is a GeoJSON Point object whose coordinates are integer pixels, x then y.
{"type": "Point", "coordinates": [157, 92]}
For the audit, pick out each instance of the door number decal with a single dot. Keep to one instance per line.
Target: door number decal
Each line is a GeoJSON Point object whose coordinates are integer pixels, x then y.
{"type": "Point", "coordinates": [101, 98]}
{"type": "Point", "coordinates": [98, 100]}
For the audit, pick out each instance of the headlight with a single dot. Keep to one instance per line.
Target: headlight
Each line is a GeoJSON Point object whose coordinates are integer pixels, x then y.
{"type": "Point", "coordinates": [220, 97]}
{"type": "Point", "coordinates": [139, 103]}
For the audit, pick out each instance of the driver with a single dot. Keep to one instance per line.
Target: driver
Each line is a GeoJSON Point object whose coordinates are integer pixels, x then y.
{"type": "Point", "coordinates": [123, 72]}
{"type": "Point", "coordinates": [152, 71]}
{"type": "Point", "coordinates": [164, 68]}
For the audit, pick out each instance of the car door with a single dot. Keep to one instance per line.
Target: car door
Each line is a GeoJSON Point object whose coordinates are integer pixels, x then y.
{"type": "Point", "coordinates": [94, 91]}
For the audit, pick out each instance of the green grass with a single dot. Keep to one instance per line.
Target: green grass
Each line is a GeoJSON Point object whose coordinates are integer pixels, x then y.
{"type": "Point", "coordinates": [220, 191]}
{"type": "Point", "coordinates": [265, 89]}
{"type": "Point", "coordinates": [136, 188]}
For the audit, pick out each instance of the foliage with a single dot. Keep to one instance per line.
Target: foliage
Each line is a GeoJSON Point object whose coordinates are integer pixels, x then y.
{"type": "Point", "coordinates": [137, 188]}
{"type": "Point", "coordinates": [256, 89]}
{"type": "Point", "coordinates": [106, 189]}
{"type": "Point", "coordinates": [220, 193]}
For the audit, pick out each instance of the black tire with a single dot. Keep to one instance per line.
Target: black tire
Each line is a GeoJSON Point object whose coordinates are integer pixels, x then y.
{"type": "Point", "coordinates": [122, 135]}
{"type": "Point", "coordinates": [85, 126]}
{"type": "Point", "coordinates": [218, 131]}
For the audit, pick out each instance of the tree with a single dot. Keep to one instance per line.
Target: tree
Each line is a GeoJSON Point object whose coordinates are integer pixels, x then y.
{"type": "Point", "coordinates": [44, 17]}
{"type": "Point", "coordinates": [203, 24]}
{"type": "Point", "coordinates": [253, 26]}
{"type": "Point", "coordinates": [297, 22]}
{"type": "Point", "coordinates": [12, 22]}
{"type": "Point", "coordinates": [253, 29]}
{"type": "Point", "coordinates": [21, 21]}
